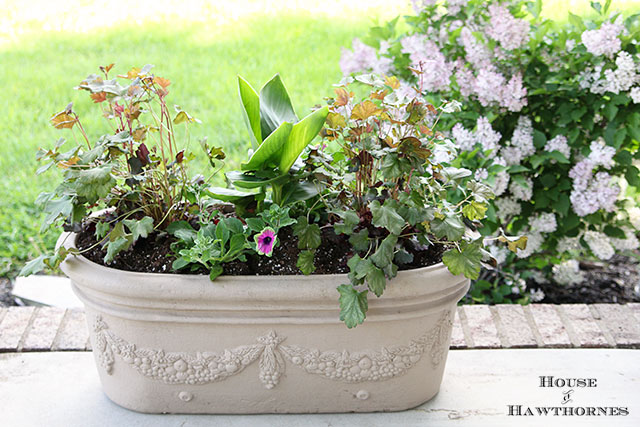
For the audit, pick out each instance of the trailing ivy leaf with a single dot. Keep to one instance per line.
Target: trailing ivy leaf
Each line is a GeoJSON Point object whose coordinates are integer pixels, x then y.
{"type": "Point", "coordinates": [360, 240]}
{"type": "Point", "coordinates": [37, 265]}
{"type": "Point", "coordinates": [116, 246]}
{"type": "Point", "coordinates": [350, 220]}
{"type": "Point", "coordinates": [139, 228]}
{"type": "Point", "coordinates": [474, 210]}
{"type": "Point", "coordinates": [308, 234]}
{"type": "Point", "coordinates": [376, 281]}
{"type": "Point", "coordinates": [383, 256]}
{"type": "Point", "coordinates": [467, 261]}
{"type": "Point", "coordinates": [305, 262]}
{"type": "Point", "coordinates": [403, 257]}
{"type": "Point", "coordinates": [353, 305]}
{"type": "Point", "coordinates": [360, 267]}
{"type": "Point", "coordinates": [386, 217]}
{"type": "Point", "coordinates": [102, 228]}
{"type": "Point", "coordinates": [450, 227]}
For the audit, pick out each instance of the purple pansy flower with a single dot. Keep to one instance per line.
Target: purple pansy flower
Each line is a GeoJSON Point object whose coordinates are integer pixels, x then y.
{"type": "Point", "coordinates": [265, 240]}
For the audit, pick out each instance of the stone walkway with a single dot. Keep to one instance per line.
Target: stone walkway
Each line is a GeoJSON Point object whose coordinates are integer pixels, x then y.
{"type": "Point", "coordinates": [25, 329]}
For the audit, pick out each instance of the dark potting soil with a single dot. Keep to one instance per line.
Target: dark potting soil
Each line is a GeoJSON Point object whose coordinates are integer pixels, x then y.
{"type": "Point", "coordinates": [154, 255]}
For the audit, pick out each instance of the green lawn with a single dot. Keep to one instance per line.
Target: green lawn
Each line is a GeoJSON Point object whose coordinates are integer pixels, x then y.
{"type": "Point", "coordinates": [45, 51]}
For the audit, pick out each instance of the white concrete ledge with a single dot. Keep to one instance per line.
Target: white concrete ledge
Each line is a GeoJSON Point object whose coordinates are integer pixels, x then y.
{"type": "Point", "coordinates": [62, 389]}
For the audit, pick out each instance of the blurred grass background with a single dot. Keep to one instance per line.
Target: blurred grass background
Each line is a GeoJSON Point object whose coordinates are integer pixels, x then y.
{"type": "Point", "coordinates": [48, 47]}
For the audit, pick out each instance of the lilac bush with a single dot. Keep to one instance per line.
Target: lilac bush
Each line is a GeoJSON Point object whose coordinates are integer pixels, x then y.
{"type": "Point", "coordinates": [551, 121]}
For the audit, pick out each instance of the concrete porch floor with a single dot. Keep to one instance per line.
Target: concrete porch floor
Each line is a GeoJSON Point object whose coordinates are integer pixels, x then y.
{"type": "Point", "coordinates": [62, 389]}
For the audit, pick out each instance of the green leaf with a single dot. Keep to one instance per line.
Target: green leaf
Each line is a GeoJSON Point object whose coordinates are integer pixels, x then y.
{"type": "Point", "coordinates": [275, 107]}
{"type": "Point", "coordinates": [37, 265]}
{"type": "Point", "coordinates": [350, 220]}
{"type": "Point", "coordinates": [360, 240]}
{"type": "Point", "coordinates": [308, 234]}
{"type": "Point", "coordinates": [386, 217]}
{"type": "Point", "coordinates": [251, 110]}
{"type": "Point", "coordinates": [614, 232]}
{"type": "Point", "coordinates": [250, 180]}
{"type": "Point", "coordinates": [102, 228]}
{"type": "Point", "coordinates": [376, 281]}
{"type": "Point", "coordinates": [228, 194]}
{"type": "Point", "coordinates": [255, 224]}
{"type": "Point", "coordinates": [54, 208]}
{"type": "Point", "coordinates": [474, 210]}
{"type": "Point", "coordinates": [467, 261]}
{"type": "Point", "coordinates": [301, 135]}
{"type": "Point", "coordinates": [182, 230]}
{"type": "Point", "coordinates": [305, 262]}
{"type": "Point", "coordinates": [383, 256]}
{"type": "Point", "coordinates": [94, 183]}
{"type": "Point", "coordinates": [116, 246]}
{"type": "Point", "coordinates": [353, 305]}
{"type": "Point", "coordinates": [268, 151]}
{"type": "Point", "coordinates": [632, 175]}
{"type": "Point", "coordinates": [139, 228]}
{"type": "Point", "coordinates": [450, 227]}
{"type": "Point", "coordinates": [215, 271]}
{"type": "Point", "coordinates": [296, 191]}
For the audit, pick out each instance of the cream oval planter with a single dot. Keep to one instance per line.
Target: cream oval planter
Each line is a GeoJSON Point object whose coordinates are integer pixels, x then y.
{"type": "Point", "coordinates": [169, 343]}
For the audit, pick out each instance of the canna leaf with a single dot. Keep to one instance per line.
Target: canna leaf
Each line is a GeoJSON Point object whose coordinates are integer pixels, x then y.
{"type": "Point", "coordinates": [251, 110]}
{"type": "Point", "coordinates": [275, 107]}
{"type": "Point", "coordinates": [302, 133]}
{"type": "Point", "coordinates": [269, 149]}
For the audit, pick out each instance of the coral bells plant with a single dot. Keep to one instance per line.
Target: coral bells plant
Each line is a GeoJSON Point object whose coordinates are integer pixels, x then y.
{"type": "Point", "coordinates": [551, 122]}
{"type": "Point", "coordinates": [138, 170]}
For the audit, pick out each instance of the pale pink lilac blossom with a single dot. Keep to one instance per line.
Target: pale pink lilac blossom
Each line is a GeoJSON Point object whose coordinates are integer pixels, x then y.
{"type": "Point", "coordinates": [504, 28]}
{"type": "Point", "coordinates": [634, 94]}
{"type": "Point", "coordinates": [603, 41]}
{"type": "Point", "coordinates": [534, 243]}
{"type": "Point", "coordinates": [364, 58]}
{"type": "Point", "coordinates": [422, 51]}
{"type": "Point", "coordinates": [507, 207]}
{"type": "Point", "coordinates": [558, 143]}
{"type": "Point", "coordinates": [522, 192]}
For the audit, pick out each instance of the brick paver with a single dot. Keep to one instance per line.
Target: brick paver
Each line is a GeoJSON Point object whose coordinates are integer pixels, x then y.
{"type": "Point", "coordinates": [474, 326]}
{"type": "Point", "coordinates": [13, 327]}
{"type": "Point", "coordinates": [457, 335]}
{"type": "Point", "coordinates": [621, 323]}
{"type": "Point", "coordinates": [481, 326]}
{"type": "Point", "coordinates": [513, 327]}
{"type": "Point", "coordinates": [73, 333]}
{"type": "Point", "coordinates": [43, 329]}
{"type": "Point", "coordinates": [549, 325]}
{"type": "Point", "coordinates": [583, 327]}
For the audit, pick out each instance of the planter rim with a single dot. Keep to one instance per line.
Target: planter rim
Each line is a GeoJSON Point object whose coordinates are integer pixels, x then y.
{"type": "Point", "coordinates": [67, 239]}
{"type": "Point", "coordinates": [152, 295]}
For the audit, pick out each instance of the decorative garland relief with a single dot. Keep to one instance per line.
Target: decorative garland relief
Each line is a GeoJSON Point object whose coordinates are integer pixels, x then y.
{"type": "Point", "coordinates": [207, 367]}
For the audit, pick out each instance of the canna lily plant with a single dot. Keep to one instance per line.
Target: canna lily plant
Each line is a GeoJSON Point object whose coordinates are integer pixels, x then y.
{"type": "Point", "coordinates": [278, 138]}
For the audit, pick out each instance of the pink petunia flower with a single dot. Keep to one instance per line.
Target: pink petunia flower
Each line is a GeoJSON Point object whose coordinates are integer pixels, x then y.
{"type": "Point", "coordinates": [266, 240]}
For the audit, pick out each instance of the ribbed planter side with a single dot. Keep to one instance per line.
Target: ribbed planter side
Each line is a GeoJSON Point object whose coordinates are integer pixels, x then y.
{"type": "Point", "coordinates": [169, 343]}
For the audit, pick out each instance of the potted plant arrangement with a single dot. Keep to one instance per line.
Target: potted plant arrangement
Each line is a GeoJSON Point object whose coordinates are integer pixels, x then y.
{"type": "Point", "coordinates": [253, 298]}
